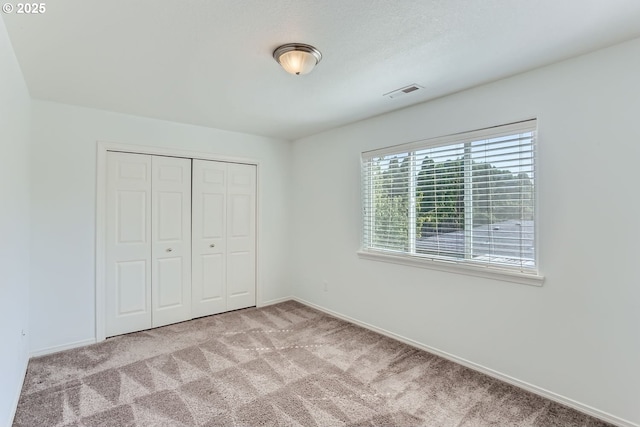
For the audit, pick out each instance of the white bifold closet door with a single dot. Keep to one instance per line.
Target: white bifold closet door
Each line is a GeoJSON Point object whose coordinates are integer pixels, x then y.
{"type": "Point", "coordinates": [170, 240]}
{"type": "Point", "coordinates": [148, 239]}
{"type": "Point", "coordinates": [128, 243]}
{"type": "Point", "coordinates": [224, 237]}
{"type": "Point", "coordinates": [168, 259]}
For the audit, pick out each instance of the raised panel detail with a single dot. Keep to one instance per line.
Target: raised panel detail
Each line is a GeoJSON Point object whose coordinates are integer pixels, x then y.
{"type": "Point", "coordinates": [169, 282]}
{"type": "Point", "coordinates": [212, 277]}
{"type": "Point", "coordinates": [213, 176]}
{"type": "Point", "coordinates": [240, 277]}
{"type": "Point", "coordinates": [240, 216]}
{"type": "Point", "coordinates": [169, 216]}
{"type": "Point", "coordinates": [131, 287]}
{"type": "Point", "coordinates": [241, 179]}
{"type": "Point", "coordinates": [212, 215]}
{"type": "Point", "coordinates": [132, 171]}
{"type": "Point", "coordinates": [170, 174]}
{"type": "Point", "coordinates": [131, 216]}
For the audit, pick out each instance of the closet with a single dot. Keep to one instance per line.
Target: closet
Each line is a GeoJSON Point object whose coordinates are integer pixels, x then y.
{"type": "Point", "coordinates": [180, 239]}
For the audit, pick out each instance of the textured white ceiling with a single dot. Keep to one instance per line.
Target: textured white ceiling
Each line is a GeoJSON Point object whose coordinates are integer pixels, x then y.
{"type": "Point", "coordinates": [208, 62]}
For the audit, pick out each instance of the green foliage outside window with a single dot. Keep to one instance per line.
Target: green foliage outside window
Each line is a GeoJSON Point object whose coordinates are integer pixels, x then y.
{"type": "Point", "coordinates": [497, 195]}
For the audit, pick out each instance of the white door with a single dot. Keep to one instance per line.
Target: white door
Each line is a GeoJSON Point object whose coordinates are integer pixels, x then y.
{"type": "Point", "coordinates": [128, 243]}
{"type": "Point", "coordinates": [241, 236]}
{"type": "Point", "coordinates": [209, 237]}
{"type": "Point", "coordinates": [169, 260]}
{"type": "Point", "coordinates": [171, 240]}
{"type": "Point", "coordinates": [224, 237]}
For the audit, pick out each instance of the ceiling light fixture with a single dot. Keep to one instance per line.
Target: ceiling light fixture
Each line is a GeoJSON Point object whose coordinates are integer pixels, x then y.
{"type": "Point", "coordinates": [297, 58]}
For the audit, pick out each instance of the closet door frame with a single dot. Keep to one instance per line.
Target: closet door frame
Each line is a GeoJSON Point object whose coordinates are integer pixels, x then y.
{"type": "Point", "coordinates": [102, 147]}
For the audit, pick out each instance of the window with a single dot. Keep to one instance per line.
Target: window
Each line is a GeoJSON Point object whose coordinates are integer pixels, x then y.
{"type": "Point", "coordinates": [466, 200]}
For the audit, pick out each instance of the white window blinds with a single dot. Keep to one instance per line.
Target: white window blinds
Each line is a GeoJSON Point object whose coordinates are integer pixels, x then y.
{"type": "Point", "coordinates": [466, 198]}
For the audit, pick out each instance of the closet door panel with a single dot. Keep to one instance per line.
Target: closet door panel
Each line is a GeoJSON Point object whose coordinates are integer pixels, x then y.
{"type": "Point", "coordinates": [212, 258]}
{"type": "Point", "coordinates": [213, 268]}
{"type": "Point", "coordinates": [241, 236]}
{"type": "Point", "coordinates": [241, 278]}
{"type": "Point", "coordinates": [128, 243]}
{"type": "Point", "coordinates": [131, 287]}
{"type": "Point", "coordinates": [171, 240]}
{"type": "Point", "coordinates": [209, 237]}
{"type": "Point", "coordinates": [169, 283]}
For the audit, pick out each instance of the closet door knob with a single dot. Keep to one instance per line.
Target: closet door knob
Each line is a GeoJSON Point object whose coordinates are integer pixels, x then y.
{"type": "Point", "coordinates": [169, 250]}
{"type": "Point", "coordinates": [213, 245]}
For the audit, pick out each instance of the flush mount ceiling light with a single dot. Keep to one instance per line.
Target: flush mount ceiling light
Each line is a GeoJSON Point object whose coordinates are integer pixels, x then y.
{"type": "Point", "coordinates": [297, 58]}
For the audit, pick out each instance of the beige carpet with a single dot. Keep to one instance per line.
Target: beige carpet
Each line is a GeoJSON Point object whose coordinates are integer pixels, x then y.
{"type": "Point", "coordinates": [283, 365]}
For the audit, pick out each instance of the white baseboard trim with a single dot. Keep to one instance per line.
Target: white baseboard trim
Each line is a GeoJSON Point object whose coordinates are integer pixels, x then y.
{"type": "Point", "coordinates": [57, 348]}
{"type": "Point", "coordinates": [16, 399]}
{"type": "Point", "coordinates": [274, 301]}
{"type": "Point", "coordinates": [586, 409]}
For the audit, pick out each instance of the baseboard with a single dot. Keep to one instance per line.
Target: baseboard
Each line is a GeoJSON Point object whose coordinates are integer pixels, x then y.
{"type": "Point", "coordinates": [586, 409]}
{"type": "Point", "coordinates": [16, 399]}
{"type": "Point", "coordinates": [274, 301]}
{"type": "Point", "coordinates": [57, 348]}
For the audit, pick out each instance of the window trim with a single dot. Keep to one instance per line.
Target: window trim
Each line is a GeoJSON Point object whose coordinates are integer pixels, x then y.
{"type": "Point", "coordinates": [488, 272]}
{"type": "Point", "coordinates": [533, 278]}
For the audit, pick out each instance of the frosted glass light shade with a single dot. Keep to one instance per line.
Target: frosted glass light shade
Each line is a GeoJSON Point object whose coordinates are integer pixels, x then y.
{"type": "Point", "coordinates": [297, 62]}
{"type": "Point", "coordinates": [297, 58]}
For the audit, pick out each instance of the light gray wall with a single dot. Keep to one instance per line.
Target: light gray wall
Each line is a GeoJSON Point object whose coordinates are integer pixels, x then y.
{"type": "Point", "coordinates": [578, 336]}
{"type": "Point", "coordinates": [14, 227]}
{"type": "Point", "coordinates": [63, 202]}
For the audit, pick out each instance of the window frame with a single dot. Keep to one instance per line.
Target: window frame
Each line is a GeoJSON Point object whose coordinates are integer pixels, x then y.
{"type": "Point", "coordinates": [460, 266]}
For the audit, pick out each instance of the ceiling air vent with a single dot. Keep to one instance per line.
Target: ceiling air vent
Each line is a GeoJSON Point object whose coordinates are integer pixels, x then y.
{"type": "Point", "coordinates": [403, 91]}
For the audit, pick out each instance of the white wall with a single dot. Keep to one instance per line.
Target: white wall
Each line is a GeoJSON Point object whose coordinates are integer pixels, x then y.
{"type": "Point", "coordinates": [577, 336]}
{"type": "Point", "coordinates": [63, 202]}
{"type": "Point", "coordinates": [14, 227]}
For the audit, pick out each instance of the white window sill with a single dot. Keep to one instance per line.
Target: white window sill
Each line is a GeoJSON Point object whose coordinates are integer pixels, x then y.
{"type": "Point", "coordinates": [454, 267]}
